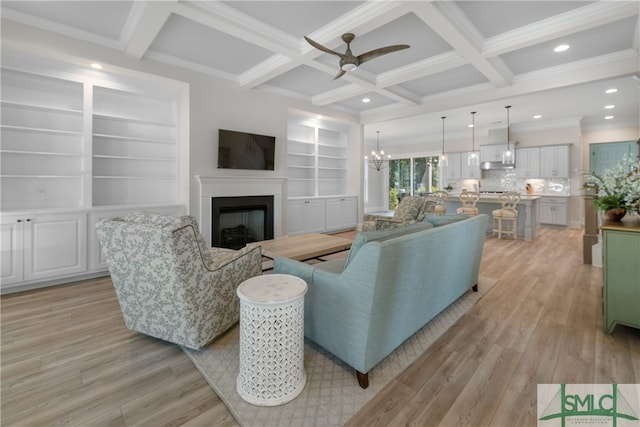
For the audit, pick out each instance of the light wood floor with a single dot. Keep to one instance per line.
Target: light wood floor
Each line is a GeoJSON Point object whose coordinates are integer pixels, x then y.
{"type": "Point", "coordinates": [68, 359]}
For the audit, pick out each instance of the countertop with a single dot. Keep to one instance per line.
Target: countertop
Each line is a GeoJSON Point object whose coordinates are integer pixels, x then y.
{"type": "Point", "coordinates": [628, 223]}
{"type": "Point", "coordinates": [491, 197]}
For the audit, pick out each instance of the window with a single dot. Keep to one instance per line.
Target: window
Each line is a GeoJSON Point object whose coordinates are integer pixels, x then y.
{"type": "Point", "coordinates": [412, 176]}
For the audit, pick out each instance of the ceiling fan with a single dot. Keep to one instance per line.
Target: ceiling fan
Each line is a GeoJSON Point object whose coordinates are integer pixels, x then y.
{"type": "Point", "coordinates": [348, 61]}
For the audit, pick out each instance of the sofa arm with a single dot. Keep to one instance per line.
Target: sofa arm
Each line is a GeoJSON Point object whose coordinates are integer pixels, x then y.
{"type": "Point", "coordinates": [302, 270]}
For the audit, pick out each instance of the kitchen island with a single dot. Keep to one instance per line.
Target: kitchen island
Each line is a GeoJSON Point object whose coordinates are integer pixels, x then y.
{"type": "Point", "coordinates": [527, 212]}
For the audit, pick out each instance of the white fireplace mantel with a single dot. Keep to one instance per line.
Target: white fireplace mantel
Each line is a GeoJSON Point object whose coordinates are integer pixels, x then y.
{"type": "Point", "coordinates": [238, 186]}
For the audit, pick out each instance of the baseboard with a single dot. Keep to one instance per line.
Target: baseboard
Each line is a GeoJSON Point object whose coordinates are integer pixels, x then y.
{"type": "Point", "coordinates": [60, 281]}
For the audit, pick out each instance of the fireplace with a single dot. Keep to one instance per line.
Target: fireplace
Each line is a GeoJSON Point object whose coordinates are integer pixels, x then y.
{"type": "Point", "coordinates": [236, 221]}
{"type": "Point", "coordinates": [239, 186]}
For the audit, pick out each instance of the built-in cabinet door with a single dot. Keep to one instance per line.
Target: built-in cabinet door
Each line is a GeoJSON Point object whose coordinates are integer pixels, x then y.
{"type": "Point", "coordinates": [12, 253]}
{"type": "Point", "coordinates": [553, 211]}
{"type": "Point", "coordinates": [315, 214]}
{"type": "Point", "coordinates": [528, 162]}
{"type": "Point", "coordinates": [341, 213]}
{"type": "Point", "coordinates": [554, 161]}
{"type": "Point", "coordinates": [306, 216]}
{"type": "Point", "coordinates": [55, 245]}
{"type": "Point", "coordinates": [38, 247]}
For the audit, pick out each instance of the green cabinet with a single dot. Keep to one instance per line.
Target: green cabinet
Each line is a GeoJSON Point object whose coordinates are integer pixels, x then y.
{"type": "Point", "coordinates": [621, 269]}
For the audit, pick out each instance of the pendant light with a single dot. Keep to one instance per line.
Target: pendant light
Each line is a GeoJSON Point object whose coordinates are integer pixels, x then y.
{"type": "Point", "coordinates": [472, 158]}
{"type": "Point", "coordinates": [378, 161]}
{"type": "Point", "coordinates": [507, 156]}
{"type": "Point", "coordinates": [443, 158]}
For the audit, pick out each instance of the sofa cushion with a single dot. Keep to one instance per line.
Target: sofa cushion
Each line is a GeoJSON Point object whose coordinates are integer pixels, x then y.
{"type": "Point", "coordinates": [438, 220]}
{"type": "Point", "coordinates": [380, 235]}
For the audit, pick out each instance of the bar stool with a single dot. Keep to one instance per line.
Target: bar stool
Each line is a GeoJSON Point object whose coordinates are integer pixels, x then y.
{"type": "Point", "coordinates": [469, 200]}
{"type": "Point", "coordinates": [440, 197]}
{"type": "Point", "coordinates": [505, 220]}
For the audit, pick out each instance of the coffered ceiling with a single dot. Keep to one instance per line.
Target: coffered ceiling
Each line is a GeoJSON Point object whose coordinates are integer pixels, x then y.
{"type": "Point", "coordinates": [464, 55]}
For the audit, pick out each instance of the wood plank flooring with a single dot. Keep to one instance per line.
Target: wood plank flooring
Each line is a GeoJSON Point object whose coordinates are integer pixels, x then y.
{"type": "Point", "coordinates": [67, 357]}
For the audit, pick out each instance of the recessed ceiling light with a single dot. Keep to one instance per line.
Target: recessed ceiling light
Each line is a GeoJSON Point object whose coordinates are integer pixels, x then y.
{"type": "Point", "coordinates": [470, 125]}
{"type": "Point", "coordinates": [612, 90]}
{"type": "Point", "coordinates": [537, 116]}
{"type": "Point", "coordinates": [365, 100]}
{"type": "Point", "coordinates": [609, 107]}
{"type": "Point", "coordinates": [608, 117]}
{"type": "Point", "coordinates": [96, 66]}
{"type": "Point", "coordinates": [561, 48]}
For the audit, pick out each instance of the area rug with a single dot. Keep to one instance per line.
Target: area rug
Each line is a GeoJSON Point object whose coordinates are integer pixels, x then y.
{"type": "Point", "coordinates": [331, 395]}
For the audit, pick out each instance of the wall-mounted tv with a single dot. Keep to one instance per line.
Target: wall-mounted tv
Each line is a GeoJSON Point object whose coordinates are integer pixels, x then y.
{"type": "Point", "coordinates": [242, 150]}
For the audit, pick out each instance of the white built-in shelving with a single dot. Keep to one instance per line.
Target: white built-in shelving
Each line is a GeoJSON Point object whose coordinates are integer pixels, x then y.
{"type": "Point", "coordinates": [317, 159]}
{"type": "Point", "coordinates": [42, 141]}
{"type": "Point", "coordinates": [77, 146]}
{"type": "Point", "coordinates": [134, 148]}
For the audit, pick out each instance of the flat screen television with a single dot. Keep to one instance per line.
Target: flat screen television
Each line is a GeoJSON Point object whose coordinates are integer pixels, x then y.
{"type": "Point", "coordinates": [242, 150]}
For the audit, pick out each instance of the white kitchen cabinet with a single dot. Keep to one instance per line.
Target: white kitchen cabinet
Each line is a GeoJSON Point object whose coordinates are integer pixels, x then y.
{"type": "Point", "coordinates": [554, 161]}
{"type": "Point", "coordinates": [528, 162]}
{"type": "Point", "coordinates": [553, 211]}
{"type": "Point", "coordinates": [42, 246]}
{"type": "Point", "coordinates": [468, 171]}
{"type": "Point", "coordinates": [493, 153]}
{"type": "Point", "coordinates": [341, 213]}
{"type": "Point", "coordinates": [306, 216]}
{"type": "Point", "coordinates": [452, 170]}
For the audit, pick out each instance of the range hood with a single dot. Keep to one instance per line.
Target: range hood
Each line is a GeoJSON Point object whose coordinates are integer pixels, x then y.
{"type": "Point", "coordinates": [499, 137]}
{"type": "Point", "coordinates": [487, 166]}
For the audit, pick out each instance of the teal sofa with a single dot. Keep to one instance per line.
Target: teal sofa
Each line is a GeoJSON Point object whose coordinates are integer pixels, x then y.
{"type": "Point", "coordinates": [391, 285]}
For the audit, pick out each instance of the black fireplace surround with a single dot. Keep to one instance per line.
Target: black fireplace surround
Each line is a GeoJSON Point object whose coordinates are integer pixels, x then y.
{"type": "Point", "coordinates": [241, 231]}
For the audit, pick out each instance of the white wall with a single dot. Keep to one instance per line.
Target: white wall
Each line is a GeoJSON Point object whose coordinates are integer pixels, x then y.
{"type": "Point", "coordinates": [214, 103]}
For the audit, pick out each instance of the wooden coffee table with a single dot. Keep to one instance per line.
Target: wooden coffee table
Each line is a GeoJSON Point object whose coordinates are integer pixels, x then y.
{"type": "Point", "coordinates": [304, 247]}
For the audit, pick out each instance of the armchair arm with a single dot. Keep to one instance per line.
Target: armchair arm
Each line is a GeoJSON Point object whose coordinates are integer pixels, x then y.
{"type": "Point", "coordinates": [221, 256]}
{"type": "Point", "coordinates": [373, 217]}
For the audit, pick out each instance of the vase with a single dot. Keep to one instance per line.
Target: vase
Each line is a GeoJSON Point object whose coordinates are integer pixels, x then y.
{"type": "Point", "coordinates": [615, 214]}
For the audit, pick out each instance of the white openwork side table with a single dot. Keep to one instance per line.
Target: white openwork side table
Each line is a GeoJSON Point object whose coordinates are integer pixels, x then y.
{"type": "Point", "coordinates": [271, 339]}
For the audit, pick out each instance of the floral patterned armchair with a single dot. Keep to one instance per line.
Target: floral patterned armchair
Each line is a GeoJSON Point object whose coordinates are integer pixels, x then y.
{"type": "Point", "coordinates": [168, 283]}
{"type": "Point", "coordinates": [410, 210]}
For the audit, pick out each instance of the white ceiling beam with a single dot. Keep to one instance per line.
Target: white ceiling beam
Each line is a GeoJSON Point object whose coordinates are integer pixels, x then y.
{"type": "Point", "coordinates": [423, 68]}
{"type": "Point", "coordinates": [443, 22]}
{"type": "Point", "coordinates": [143, 25]}
{"type": "Point", "coordinates": [581, 19]}
{"type": "Point", "coordinates": [611, 66]}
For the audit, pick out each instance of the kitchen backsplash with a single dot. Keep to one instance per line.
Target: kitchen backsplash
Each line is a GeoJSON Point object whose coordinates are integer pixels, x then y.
{"type": "Point", "coordinates": [506, 180]}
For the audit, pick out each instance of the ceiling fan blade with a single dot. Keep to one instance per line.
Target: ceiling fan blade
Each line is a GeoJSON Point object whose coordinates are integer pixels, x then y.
{"type": "Point", "coordinates": [340, 74]}
{"type": "Point", "coordinates": [379, 52]}
{"type": "Point", "coordinates": [320, 47]}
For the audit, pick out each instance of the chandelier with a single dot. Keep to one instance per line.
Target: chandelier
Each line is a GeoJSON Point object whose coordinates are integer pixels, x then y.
{"type": "Point", "coordinates": [378, 161]}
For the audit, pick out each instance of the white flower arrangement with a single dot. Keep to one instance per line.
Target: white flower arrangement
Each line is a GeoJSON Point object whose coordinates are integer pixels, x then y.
{"type": "Point", "coordinates": [617, 187]}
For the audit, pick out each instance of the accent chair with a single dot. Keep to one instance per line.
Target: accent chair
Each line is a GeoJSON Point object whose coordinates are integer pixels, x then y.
{"type": "Point", "coordinates": [169, 284]}
{"type": "Point", "coordinates": [410, 210]}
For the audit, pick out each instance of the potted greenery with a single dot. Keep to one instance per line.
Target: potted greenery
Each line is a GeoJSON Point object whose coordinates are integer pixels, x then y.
{"type": "Point", "coordinates": [617, 189]}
